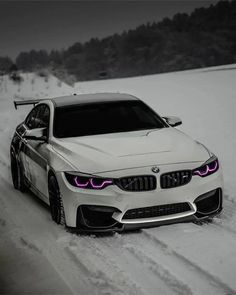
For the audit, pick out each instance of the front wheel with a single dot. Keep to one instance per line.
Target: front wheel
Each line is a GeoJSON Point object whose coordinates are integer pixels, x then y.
{"type": "Point", "coordinates": [55, 200]}
{"type": "Point", "coordinates": [17, 174]}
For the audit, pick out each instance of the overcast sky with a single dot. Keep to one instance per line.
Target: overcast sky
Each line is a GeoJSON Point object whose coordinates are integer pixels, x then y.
{"type": "Point", "coordinates": [26, 25]}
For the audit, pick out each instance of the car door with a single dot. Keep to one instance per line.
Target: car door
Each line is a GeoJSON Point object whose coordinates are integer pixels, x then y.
{"type": "Point", "coordinates": [37, 157]}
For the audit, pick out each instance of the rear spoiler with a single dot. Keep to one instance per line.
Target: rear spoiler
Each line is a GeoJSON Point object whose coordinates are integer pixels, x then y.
{"type": "Point", "coordinates": [25, 102]}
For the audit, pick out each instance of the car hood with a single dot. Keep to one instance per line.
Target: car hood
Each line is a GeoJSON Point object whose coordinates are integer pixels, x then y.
{"type": "Point", "coordinates": [100, 153]}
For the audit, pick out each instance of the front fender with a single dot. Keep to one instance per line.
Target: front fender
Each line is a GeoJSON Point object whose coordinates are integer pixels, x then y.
{"type": "Point", "coordinates": [58, 163]}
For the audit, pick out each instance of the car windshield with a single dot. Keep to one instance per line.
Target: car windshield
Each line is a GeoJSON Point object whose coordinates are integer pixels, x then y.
{"type": "Point", "coordinates": [102, 118]}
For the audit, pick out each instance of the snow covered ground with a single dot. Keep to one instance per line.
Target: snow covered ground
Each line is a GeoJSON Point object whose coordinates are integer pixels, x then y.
{"type": "Point", "coordinates": [39, 257]}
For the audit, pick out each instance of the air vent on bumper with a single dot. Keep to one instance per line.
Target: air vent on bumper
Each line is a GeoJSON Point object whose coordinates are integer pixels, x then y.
{"type": "Point", "coordinates": [157, 211]}
{"type": "Point", "coordinates": [209, 203]}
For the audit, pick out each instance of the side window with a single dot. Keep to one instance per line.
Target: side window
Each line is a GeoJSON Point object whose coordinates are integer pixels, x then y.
{"type": "Point", "coordinates": [30, 120]}
{"type": "Point", "coordinates": [38, 117]}
{"type": "Point", "coordinates": [43, 117]}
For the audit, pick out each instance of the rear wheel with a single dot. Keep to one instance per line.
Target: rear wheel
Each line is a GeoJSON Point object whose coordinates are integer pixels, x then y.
{"type": "Point", "coordinates": [56, 204]}
{"type": "Point", "coordinates": [17, 174]}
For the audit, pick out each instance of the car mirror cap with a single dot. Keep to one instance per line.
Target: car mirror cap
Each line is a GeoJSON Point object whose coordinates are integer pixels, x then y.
{"type": "Point", "coordinates": [37, 134]}
{"type": "Point", "coordinates": [173, 121]}
{"type": "Point", "coordinates": [43, 138]}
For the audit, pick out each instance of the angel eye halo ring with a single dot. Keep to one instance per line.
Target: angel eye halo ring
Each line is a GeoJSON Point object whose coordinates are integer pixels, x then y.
{"type": "Point", "coordinates": [208, 168]}
{"type": "Point", "coordinates": [87, 181]}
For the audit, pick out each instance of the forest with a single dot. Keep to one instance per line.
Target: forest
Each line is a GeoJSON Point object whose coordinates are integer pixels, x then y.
{"type": "Point", "coordinates": [206, 37]}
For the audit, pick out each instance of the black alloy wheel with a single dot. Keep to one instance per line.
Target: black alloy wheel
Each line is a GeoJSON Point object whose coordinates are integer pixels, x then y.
{"type": "Point", "coordinates": [17, 174]}
{"type": "Point", "coordinates": [56, 204]}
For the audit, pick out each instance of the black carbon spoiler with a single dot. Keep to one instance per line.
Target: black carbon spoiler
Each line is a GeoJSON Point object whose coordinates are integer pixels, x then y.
{"type": "Point", "coordinates": [25, 102]}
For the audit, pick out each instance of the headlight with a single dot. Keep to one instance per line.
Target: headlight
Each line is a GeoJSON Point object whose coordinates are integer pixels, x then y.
{"type": "Point", "coordinates": [208, 168]}
{"type": "Point", "coordinates": [88, 181]}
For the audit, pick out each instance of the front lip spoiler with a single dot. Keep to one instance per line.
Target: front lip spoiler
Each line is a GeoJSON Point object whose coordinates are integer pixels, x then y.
{"type": "Point", "coordinates": [121, 227]}
{"type": "Point", "coordinates": [84, 227]}
{"type": "Point", "coordinates": [186, 219]}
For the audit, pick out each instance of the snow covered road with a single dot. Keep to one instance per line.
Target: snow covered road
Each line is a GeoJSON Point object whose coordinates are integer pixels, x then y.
{"type": "Point", "coordinates": [39, 257]}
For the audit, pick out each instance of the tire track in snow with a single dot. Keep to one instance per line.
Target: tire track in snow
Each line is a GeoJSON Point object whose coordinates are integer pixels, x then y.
{"type": "Point", "coordinates": [229, 209]}
{"type": "Point", "coordinates": [219, 286]}
{"type": "Point", "coordinates": [175, 284]}
{"type": "Point", "coordinates": [72, 268]}
{"type": "Point", "coordinates": [227, 218]}
{"type": "Point", "coordinates": [99, 278]}
{"type": "Point", "coordinates": [102, 283]}
{"type": "Point", "coordinates": [183, 277]}
{"type": "Point", "coordinates": [30, 245]}
{"type": "Point", "coordinates": [121, 273]}
{"type": "Point", "coordinates": [152, 275]}
{"type": "Point", "coordinates": [218, 223]}
{"type": "Point", "coordinates": [100, 268]}
{"type": "Point", "coordinates": [145, 280]}
{"type": "Point", "coordinates": [2, 222]}
{"type": "Point", "coordinates": [229, 199]}
{"type": "Point", "coordinates": [43, 234]}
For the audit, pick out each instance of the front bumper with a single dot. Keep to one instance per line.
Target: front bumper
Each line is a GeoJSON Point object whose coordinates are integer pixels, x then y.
{"type": "Point", "coordinates": [105, 210]}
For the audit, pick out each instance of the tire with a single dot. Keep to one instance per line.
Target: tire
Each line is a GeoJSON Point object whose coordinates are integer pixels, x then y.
{"type": "Point", "coordinates": [55, 200]}
{"type": "Point", "coordinates": [18, 179]}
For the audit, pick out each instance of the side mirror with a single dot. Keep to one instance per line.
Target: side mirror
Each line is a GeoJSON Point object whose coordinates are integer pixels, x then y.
{"type": "Point", "coordinates": [35, 134]}
{"type": "Point", "coordinates": [173, 121]}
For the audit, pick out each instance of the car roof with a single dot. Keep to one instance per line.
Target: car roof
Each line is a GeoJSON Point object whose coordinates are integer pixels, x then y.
{"type": "Point", "coordinates": [77, 99]}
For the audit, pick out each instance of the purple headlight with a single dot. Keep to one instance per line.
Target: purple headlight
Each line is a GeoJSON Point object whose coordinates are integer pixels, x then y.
{"type": "Point", "coordinates": [88, 182]}
{"type": "Point", "coordinates": [103, 183]}
{"type": "Point", "coordinates": [207, 169]}
{"type": "Point", "coordinates": [80, 184]}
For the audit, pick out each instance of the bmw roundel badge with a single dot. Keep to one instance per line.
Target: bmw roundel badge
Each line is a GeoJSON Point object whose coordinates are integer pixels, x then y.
{"type": "Point", "coordinates": [155, 169]}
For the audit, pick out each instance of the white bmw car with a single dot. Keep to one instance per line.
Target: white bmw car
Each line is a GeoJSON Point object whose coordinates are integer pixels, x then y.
{"type": "Point", "coordinates": [108, 162]}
